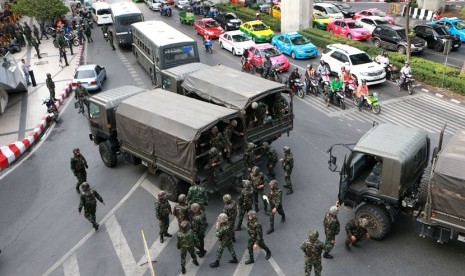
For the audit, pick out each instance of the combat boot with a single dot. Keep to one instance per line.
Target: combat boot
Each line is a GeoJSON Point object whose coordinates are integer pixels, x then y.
{"type": "Point", "coordinates": [256, 207]}
{"type": "Point", "coordinates": [215, 264]}
{"type": "Point", "coordinates": [168, 235]}
{"type": "Point", "coordinates": [290, 191]}
{"type": "Point", "coordinates": [194, 261]}
{"type": "Point", "coordinates": [183, 269]}
{"type": "Point", "coordinates": [283, 218]}
{"type": "Point", "coordinates": [327, 256]}
{"type": "Point", "coordinates": [270, 230]}
{"type": "Point", "coordinates": [233, 261]}
{"type": "Point", "coordinates": [161, 238]}
{"type": "Point", "coordinates": [238, 228]}
{"type": "Point", "coordinates": [268, 255]}
{"type": "Point", "coordinates": [201, 253]}
{"type": "Point", "coordinates": [96, 226]}
{"type": "Point", "coordinates": [249, 261]}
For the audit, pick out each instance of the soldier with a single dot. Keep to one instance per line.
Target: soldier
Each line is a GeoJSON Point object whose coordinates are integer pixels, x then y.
{"type": "Point", "coordinates": [180, 209]}
{"type": "Point", "coordinates": [230, 209]}
{"type": "Point", "coordinates": [276, 204]}
{"type": "Point", "coordinates": [332, 228]}
{"type": "Point", "coordinates": [279, 106]}
{"type": "Point", "coordinates": [35, 44]}
{"type": "Point", "coordinates": [199, 226]}
{"type": "Point", "coordinates": [163, 212]}
{"type": "Point", "coordinates": [259, 114]}
{"type": "Point", "coordinates": [110, 39]}
{"type": "Point", "coordinates": [249, 157]}
{"type": "Point", "coordinates": [214, 167]}
{"type": "Point", "coordinates": [356, 230]}
{"type": "Point", "coordinates": [272, 158]}
{"type": "Point", "coordinates": [105, 31]}
{"type": "Point", "coordinates": [259, 181]}
{"type": "Point", "coordinates": [197, 194]}
{"type": "Point", "coordinates": [35, 30]}
{"type": "Point", "coordinates": [228, 132]}
{"type": "Point", "coordinates": [88, 33]}
{"type": "Point", "coordinates": [51, 86]}
{"type": "Point", "coordinates": [19, 37]}
{"type": "Point", "coordinates": [88, 201]}
{"type": "Point", "coordinates": [288, 164]}
{"type": "Point", "coordinates": [186, 241]}
{"type": "Point", "coordinates": [255, 232]}
{"type": "Point", "coordinates": [79, 166]}
{"type": "Point", "coordinates": [244, 202]}
{"type": "Point", "coordinates": [80, 94]}
{"type": "Point", "coordinates": [27, 33]}
{"type": "Point", "coordinates": [62, 46]}
{"type": "Point", "coordinates": [43, 32]}
{"type": "Point", "coordinates": [216, 140]}
{"type": "Point", "coordinates": [224, 234]}
{"type": "Point", "coordinates": [80, 35]}
{"type": "Point", "coordinates": [312, 249]}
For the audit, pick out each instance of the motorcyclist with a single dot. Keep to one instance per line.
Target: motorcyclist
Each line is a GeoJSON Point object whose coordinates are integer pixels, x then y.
{"type": "Point", "coordinates": [294, 75]}
{"type": "Point", "coordinates": [342, 72]}
{"type": "Point", "coordinates": [362, 92]}
{"type": "Point", "coordinates": [383, 59]}
{"type": "Point", "coordinates": [309, 74]}
{"type": "Point", "coordinates": [322, 69]}
{"type": "Point", "coordinates": [206, 39]}
{"type": "Point", "coordinates": [245, 55]}
{"type": "Point", "coordinates": [267, 66]}
{"type": "Point", "coordinates": [406, 70]}
{"type": "Point", "coordinates": [336, 84]}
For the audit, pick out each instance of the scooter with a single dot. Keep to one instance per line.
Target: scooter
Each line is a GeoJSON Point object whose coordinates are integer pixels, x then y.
{"type": "Point", "coordinates": [408, 84]}
{"type": "Point", "coordinates": [52, 110]}
{"type": "Point", "coordinates": [208, 46]}
{"type": "Point", "coordinates": [371, 102]}
{"type": "Point", "coordinates": [325, 83]}
{"type": "Point", "coordinates": [338, 98]}
{"type": "Point", "coordinates": [349, 88]}
{"type": "Point", "coordinates": [297, 86]}
{"type": "Point", "coordinates": [69, 38]}
{"type": "Point", "coordinates": [274, 73]}
{"type": "Point", "coordinates": [312, 86]}
{"type": "Point", "coordinates": [166, 11]}
{"type": "Point", "coordinates": [247, 65]}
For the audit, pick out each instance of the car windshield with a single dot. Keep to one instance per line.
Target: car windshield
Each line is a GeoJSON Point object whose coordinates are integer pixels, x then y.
{"type": "Point", "coordinates": [211, 24]}
{"type": "Point", "coordinates": [459, 25]}
{"type": "Point", "coordinates": [345, 6]}
{"type": "Point", "coordinates": [300, 40]}
{"type": "Point", "coordinates": [230, 16]}
{"type": "Point", "coordinates": [270, 51]}
{"type": "Point", "coordinates": [85, 74]}
{"type": "Point", "coordinates": [354, 25]}
{"type": "Point", "coordinates": [361, 58]}
{"type": "Point", "coordinates": [332, 10]}
{"type": "Point", "coordinates": [401, 33]}
{"type": "Point", "coordinates": [104, 11]}
{"type": "Point", "coordinates": [260, 27]}
{"type": "Point", "coordinates": [240, 38]}
{"type": "Point", "coordinates": [379, 13]}
{"type": "Point", "coordinates": [441, 31]}
{"type": "Point", "coordinates": [381, 22]}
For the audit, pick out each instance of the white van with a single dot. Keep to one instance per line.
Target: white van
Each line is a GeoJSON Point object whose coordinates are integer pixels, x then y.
{"type": "Point", "coordinates": [101, 13]}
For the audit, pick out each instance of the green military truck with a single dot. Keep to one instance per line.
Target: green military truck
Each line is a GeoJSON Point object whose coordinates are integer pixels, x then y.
{"type": "Point", "coordinates": [164, 132]}
{"type": "Point", "coordinates": [172, 78]}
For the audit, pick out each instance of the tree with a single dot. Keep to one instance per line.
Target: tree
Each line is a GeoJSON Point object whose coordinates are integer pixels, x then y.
{"type": "Point", "coordinates": [40, 9]}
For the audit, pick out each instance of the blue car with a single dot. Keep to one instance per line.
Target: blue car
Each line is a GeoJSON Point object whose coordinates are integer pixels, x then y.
{"type": "Point", "coordinates": [295, 45]}
{"type": "Point", "coordinates": [454, 25]}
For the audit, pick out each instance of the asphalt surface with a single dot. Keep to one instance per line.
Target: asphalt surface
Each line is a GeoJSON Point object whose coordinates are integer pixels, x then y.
{"type": "Point", "coordinates": [41, 232]}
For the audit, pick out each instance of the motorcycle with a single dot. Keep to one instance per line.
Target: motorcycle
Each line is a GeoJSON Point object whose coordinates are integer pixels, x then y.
{"type": "Point", "coordinates": [350, 88]}
{"type": "Point", "coordinates": [312, 85]}
{"type": "Point", "coordinates": [52, 110]}
{"type": "Point", "coordinates": [338, 97]}
{"type": "Point", "coordinates": [165, 11]}
{"type": "Point", "coordinates": [247, 65]}
{"type": "Point", "coordinates": [69, 38]}
{"type": "Point", "coordinates": [208, 46]}
{"type": "Point", "coordinates": [392, 72]}
{"type": "Point", "coordinates": [371, 102]}
{"type": "Point", "coordinates": [51, 31]}
{"type": "Point", "coordinates": [408, 84]}
{"type": "Point", "coordinates": [13, 47]}
{"type": "Point", "coordinates": [297, 87]}
{"type": "Point", "coordinates": [325, 83]}
{"type": "Point", "coordinates": [274, 73]}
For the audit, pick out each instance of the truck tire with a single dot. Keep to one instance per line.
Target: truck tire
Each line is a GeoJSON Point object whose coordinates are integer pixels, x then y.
{"type": "Point", "coordinates": [109, 158]}
{"type": "Point", "coordinates": [169, 185]}
{"type": "Point", "coordinates": [423, 186]}
{"type": "Point", "coordinates": [379, 220]}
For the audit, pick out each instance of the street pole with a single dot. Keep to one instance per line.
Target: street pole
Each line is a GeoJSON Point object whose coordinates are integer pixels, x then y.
{"type": "Point", "coordinates": [407, 31]}
{"type": "Point", "coordinates": [447, 48]}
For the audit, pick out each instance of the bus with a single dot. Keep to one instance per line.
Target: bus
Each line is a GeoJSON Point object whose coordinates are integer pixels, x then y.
{"type": "Point", "coordinates": [159, 46]}
{"type": "Point", "coordinates": [101, 13]}
{"type": "Point", "coordinates": [123, 15]}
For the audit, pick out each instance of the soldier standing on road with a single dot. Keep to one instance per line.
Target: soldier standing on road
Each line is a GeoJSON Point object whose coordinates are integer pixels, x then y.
{"type": "Point", "coordinates": [79, 166]}
{"type": "Point", "coordinates": [259, 182]}
{"type": "Point", "coordinates": [224, 233]}
{"type": "Point", "coordinates": [275, 197]}
{"type": "Point", "coordinates": [80, 35]}
{"type": "Point", "coordinates": [199, 226]}
{"type": "Point", "coordinates": [272, 158]}
{"type": "Point", "coordinates": [36, 33]}
{"type": "Point", "coordinates": [88, 201]}
{"type": "Point", "coordinates": [288, 164]}
{"type": "Point", "coordinates": [228, 132]}
{"type": "Point", "coordinates": [81, 95]}
{"type": "Point", "coordinates": [356, 230]}
{"type": "Point", "coordinates": [110, 39]}
{"type": "Point", "coordinates": [27, 33]}
{"type": "Point", "coordinates": [186, 242]}
{"type": "Point", "coordinates": [180, 210]}
{"type": "Point", "coordinates": [312, 249]}
{"type": "Point", "coordinates": [255, 232]}
{"type": "Point", "coordinates": [163, 212]}
{"type": "Point", "coordinates": [249, 156]}
{"type": "Point", "coordinates": [197, 194]}
{"type": "Point", "coordinates": [230, 209]}
{"type": "Point", "coordinates": [88, 33]}
{"type": "Point", "coordinates": [332, 228]}
{"type": "Point", "coordinates": [51, 86]}
{"type": "Point", "coordinates": [214, 167]}
{"type": "Point", "coordinates": [244, 202]}
{"type": "Point", "coordinates": [105, 31]}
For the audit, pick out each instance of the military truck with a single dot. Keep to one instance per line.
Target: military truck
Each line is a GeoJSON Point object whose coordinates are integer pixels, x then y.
{"type": "Point", "coordinates": [172, 78]}
{"type": "Point", "coordinates": [163, 131]}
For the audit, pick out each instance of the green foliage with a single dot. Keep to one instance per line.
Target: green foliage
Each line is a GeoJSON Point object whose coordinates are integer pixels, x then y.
{"type": "Point", "coordinates": [40, 9]}
{"type": "Point", "coordinates": [462, 12]}
{"type": "Point", "coordinates": [248, 14]}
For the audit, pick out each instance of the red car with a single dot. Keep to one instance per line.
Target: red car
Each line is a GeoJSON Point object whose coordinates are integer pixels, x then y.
{"type": "Point", "coordinates": [257, 55]}
{"type": "Point", "coordinates": [374, 12]}
{"type": "Point", "coordinates": [348, 28]}
{"type": "Point", "coordinates": [208, 26]}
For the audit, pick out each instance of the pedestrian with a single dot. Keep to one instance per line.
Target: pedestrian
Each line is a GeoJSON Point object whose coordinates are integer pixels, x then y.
{"type": "Point", "coordinates": [215, 169]}
{"type": "Point", "coordinates": [288, 164]}
{"type": "Point", "coordinates": [356, 230]}
{"type": "Point", "coordinates": [79, 166]}
{"type": "Point", "coordinates": [272, 159]}
{"type": "Point", "coordinates": [230, 209]}
{"type": "Point", "coordinates": [51, 86]}
{"type": "Point", "coordinates": [105, 32]}
{"type": "Point", "coordinates": [27, 33]}
{"type": "Point", "coordinates": [88, 201]}
{"type": "Point", "coordinates": [80, 35]}
{"type": "Point", "coordinates": [228, 132]}
{"type": "Point", "coordinates": [186, 241]}
{"type": "Point", "coordinates": [244, 202]}
{"type": "Point", "coordinates": [88, 33]}
{"type": "Point", "coordinates": [180, 210]}
{"type": "Point", "coordinates": [81, 94]}
{"type": "Point", "coordinates": [224, 233]}
{"type": "Point", "coordinates": [43, 32]}
{"type": "Point", "coordinates": [275, 196]}
{"type": "Point", "coordinates": [332, 229]}
{"type": "Point", "coordinates": [312, 248]}
{"type": "Point", "coordinates": [249, 156]}
{"type": "Point", "coordinates": [197, 194]}
{"type": "Point", "coordinates": [259, 182]}
{"type": "Point", "coordinates": [163, 212]}
{"type": "Point", "coordinates": [110, 39]}
{"type": "Point", "coordinates": [25, 69]}
{"type": "Point", "coordinates": [35, 30]}
{"type": "Point", "coordinates": [20, 38]}
{"type": "Point", "coordinates": [255, 231]}
{"type": "Point", "coordinates": [35, 44]}
{"type": "Point", "coordinates": [62, 47]}
{"type": "Point", "coordinates": [199, 226]}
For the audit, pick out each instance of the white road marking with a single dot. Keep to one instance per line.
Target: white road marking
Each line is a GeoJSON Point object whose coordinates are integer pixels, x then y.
{"type": "Point", "coordinates": [243, 269]}
{"type": "Point", "coordinates": [71, 267]}
{"type": "Point", "coordinates": [275, 266]}
{"type": "Point", "coordinates": [210, 240]}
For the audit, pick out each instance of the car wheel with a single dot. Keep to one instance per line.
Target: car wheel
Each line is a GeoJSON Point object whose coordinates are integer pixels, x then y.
{"type": "Point", "coordinates": [349, 36]}
{"type": "Point", "coordinates": [221, 45]}
{"type": "Point", "coordinates": [401, 50]}
{"type": "Point", "coordinates": [377, 43]}
{"type": "Point", "coordinates": [293, 55]}
{"type": "Point", "coordinates": [233, 51]}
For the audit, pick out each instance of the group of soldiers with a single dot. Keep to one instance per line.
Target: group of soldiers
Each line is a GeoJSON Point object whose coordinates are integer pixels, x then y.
{"type": "Point", "coordinates": [260, 113]}
{"type": "Point", "coordinates": [20, 34]}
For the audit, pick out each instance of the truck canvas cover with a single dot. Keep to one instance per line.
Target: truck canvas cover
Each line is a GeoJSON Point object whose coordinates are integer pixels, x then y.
{"type": "Point", "coordinates": [113, 97]}
{"type": "Point", "coordinates": [448, 180]}
{"type": "Point", "coordinates": [180, 72]}
{"type": "Point", "coordinates": [229, 87]}
{"type": "Point", "coordinates": [166, 125]}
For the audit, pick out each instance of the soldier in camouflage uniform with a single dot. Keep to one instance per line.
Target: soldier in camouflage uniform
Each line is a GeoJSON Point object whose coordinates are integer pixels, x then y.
{"type": "Point", "coordinates": [180, 210]}
{"type": "Point", "coordinates": [259, 182]}
{"type": "Point", "coordinates": [88, 201]}
{"type": "Point", "coordinates": [216, 140]}
{"type": "Point", "coordinates": [312, 249]}
{"type": "Point", "coordinates": [214, 167]}
{"type": "Point", "coordinates": [51, 86]}
{"type": "Point", "coordinates": [199, 226]}
{"type": "Point", "coordinates": [230, 209]}
{"type": "Point", "coordinates": [35, 44]}
{"type": "Point", "coordinates": [279, 106]}
{"type": "Point", "coordinates": [244, 202]}
{"type": "Point", "coordinates": [36, 33]}
{"type": "Point", "coordinates": [288, 164]}
{"type": "Point", "coordinates": [79, 166]}
{"type": "Point", "coordinates": [186, 242]}
{"type": "Point", "coordinates": [19, 37]}
{"type": "Point", "coordinates": [356, 230]}
{"type": "Point", "coordinates": [249, 156]}
{"type": "Point", "coordinates": [228, 132]}
{"type": "Point", "coordinates": [110, 39]}
{"type": "Point", "coordinates": [163, 212]}
{"type": "Point", "coordinates": [275, 196]}
{"type": "Point", "coordinates": [27, 33]}
{"type": "Point", "coordinates": [332, 228]}
{"type": "Point", "coordinates": [258, 115]}
{"type": "Point", "coordinates": [81, 94]}
{"type": "Point", "coordinates": [254, 229]}
{"type": "Point", "coordinates": [224, 233]}
{"type": "Point", "coordinates": [197, 194]}
{"type": "Point", "coordinates": [272, 159]}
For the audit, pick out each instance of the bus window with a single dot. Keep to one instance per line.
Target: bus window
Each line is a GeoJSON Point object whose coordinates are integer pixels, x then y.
{"type": "Point", "coordinates": [175, 54]}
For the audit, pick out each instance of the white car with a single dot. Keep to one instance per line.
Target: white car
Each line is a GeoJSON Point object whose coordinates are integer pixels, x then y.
{"type": "Point", "coordinates": [235, 42]}
{"type": "Point", "coordinates": [360, 63]}
{"type": "Point", "coordinates": [370, 22]}
{"type": "Point", "coordinates": [154, 5]}
{"type": "Point", "coordinates": [181, 3]}
{"type": "Point", "coordinates": [329, 9]}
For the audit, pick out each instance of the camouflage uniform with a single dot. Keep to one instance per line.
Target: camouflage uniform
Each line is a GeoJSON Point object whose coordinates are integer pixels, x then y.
{"type": "Point", "coordinates": [332, 228]}
{"type": "Point", "coordinates": [216, 140]}
{"type": "Point", "coordinates": [258, 114]}
{"type": "Point", "coordinates": [35, 30]}
{"type": "Point", "coordinates": [80, 94]}
{"type": "Point", "coordinates": [197, 194]}
{"type": "Point", "coordinates": [162, 212]}
{"type": "Point", "coordinates": [110, 39]}
{"type": "Point", "coordinates": [27, 33]}
{"type": "Point", "coordinates": [288, 164]}
{"type": "Point", "coordinates": [259, 182]}
{"type": "Point", "coordinates": [35, 44]}
{"type": "Point", "coordinates": [88, 201]}
{"type": "Point", "coordinates": [228, 132]}
{"type": "Point", "coordinates": [19, 37]}
{"type": "Point", "coordinates": [272, 158]}
{"type": "Point", "coordinates": [224, 234]}
{"type": "Point", "coordinates": [244, 202]}
{"type": "Point", "coordinates": [180, 210]}
{"type": "Point", "coordinates": [312, 249]}
{"type": "Point", "coordinates": [279, 106]}
{"type": "Point", "coordinates": [275, 196]}
{"type": "Point", "coordinates": [230, 209]}
{"type": "Point", "coordinates": [254, 229]}
{"type": "Point", "coordinates": [356, 227]}
{"type": "Point", "coordinates": [78, 166]}
{"type": "Point", "coordinates": [185, 243]}
{"type": "Point", "coordinates": [51, 86]}
{"type": "Point", "coordinates": [214, 166]}
{"type": "Point", "coordinates": [249, 157]}
{"type": "Point", "coordinates": [199, 226]}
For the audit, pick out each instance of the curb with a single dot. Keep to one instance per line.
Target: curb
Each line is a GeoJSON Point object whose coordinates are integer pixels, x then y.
{"type": "Point", "coordinates": [442, 96]}
{"type": "Point", "coordinates": [10, 153]}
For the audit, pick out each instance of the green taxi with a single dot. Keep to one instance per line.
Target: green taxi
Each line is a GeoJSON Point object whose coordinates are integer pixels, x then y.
{"type": "Point", "coordinates": [257, 30]}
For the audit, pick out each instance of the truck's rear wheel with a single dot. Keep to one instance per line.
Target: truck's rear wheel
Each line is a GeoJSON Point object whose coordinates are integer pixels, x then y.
{"type": "Point", "coordinates": [379, 220]}
{"type": "Point", "coordinates": [169, 185]}
{"type": "Point", "coordinates": [109, 158]}
{"type": "Point", "coordinates": [423, 186]}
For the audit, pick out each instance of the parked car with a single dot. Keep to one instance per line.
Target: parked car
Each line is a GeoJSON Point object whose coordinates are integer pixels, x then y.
{"type": "Point", "coordinates": [348, 28]}
{"type": "Point", "coordinates": [321, 20]}
{"type": "Point", "coordinates": [91, 76]}
{"type": "Point", "coordinates": [295, 45]}
{"type": "Point", "coordinates": [154, 5]}
{"type": "Point", "coordinates": [361, 64]}
{"type": "Point", "coordinates": [436, 36]}
{"type": "Point", "coordinates": [235, 42]}
{"type": "Point", "coordinates": [392, 37]}
{"type": "Point", "coordinates": [374, 12]}
{"type": "Point", "coordinates": [454, 25]}
{"type": "Point", "coordinates": [257, 30]}
{"type": "Point", "coordinates": [346, 9]}
{"type": "Point", "coordinates": [257, 55]}
{"type": "Point", "coordinates": [181, 3]}
{"type": "Point", "coordinates": [329, 9]}
{"type": "Point", "coordinates": [228, 21]}
{"type": "Point", "coordinates": [275, 12]}
{"type": "Point", "coordinates": [370, 22]}
{"type": "Point", "coordinates": [208, 26]}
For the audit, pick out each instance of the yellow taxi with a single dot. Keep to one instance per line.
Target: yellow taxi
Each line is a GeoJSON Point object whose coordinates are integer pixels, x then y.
{"type": "Point", "coordinates": [321, 20]}
{"type": "Point", "coordinates": [275, 12]}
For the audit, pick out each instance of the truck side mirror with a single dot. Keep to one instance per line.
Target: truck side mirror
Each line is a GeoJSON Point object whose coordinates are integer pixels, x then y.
{"type": "Point", "coordinates": [332, 163]}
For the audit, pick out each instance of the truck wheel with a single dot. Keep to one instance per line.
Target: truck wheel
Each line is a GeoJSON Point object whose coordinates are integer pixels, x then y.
{"type": "Point", "coordinates": [109, 157]}
{"type": "Point", "coordinates": [169, 185]}
{"type": "Point", "coordinates": [379, 220]}
{"type": "Point", "coordinates": [423, 186]}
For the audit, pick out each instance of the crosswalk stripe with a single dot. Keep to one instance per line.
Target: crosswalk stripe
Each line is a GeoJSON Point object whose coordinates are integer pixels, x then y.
{"type": "Point", "coordinates": [275, 266]}
{"type": "Point", "coordinates": [243, 269]}
{"type": "Point", "coordinates": [122, 249]}
{"type": "Point", "coordinates": [210, 240]}
{"type": "Point", "coordinates": [71, 267]}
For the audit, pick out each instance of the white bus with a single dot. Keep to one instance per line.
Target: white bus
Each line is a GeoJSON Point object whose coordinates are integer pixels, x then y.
{"type": "Point", "coordinates": [101, 13]}
{"type": "Point", "coordinates": [123, 15]}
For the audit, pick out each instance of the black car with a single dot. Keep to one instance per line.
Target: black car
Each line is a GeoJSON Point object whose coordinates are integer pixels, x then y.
{"type": "Point", "coordinates": [346, 9]}
{"type": "Point", "coordinates": [228, 21]}
{"type": "Point", "coordinates": [436, 36]}
{"type": "Point", "coordinates": [392, 37]}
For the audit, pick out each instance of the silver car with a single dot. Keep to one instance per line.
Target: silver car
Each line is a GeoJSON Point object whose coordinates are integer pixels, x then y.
{"type": "Point", "coordinates": [91, 76]}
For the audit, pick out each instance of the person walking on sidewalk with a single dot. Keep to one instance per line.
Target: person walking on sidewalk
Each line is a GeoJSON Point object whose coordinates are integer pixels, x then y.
{"type": "Point", "coordinates": [51, 86]}
{"type": "Point", "coordinates": [80, 35]}
{"type": "Point", "coordinates": [79, 166]}
{"type": "Point", "coordinates": [35, 44]}
{"type": "Point", "coordinates": [27, 33]}
{"type": "Point", "coordinates": [35, 30]}
{"type": "Point", "coordinates": [88, 33]}
{"type": "Point", "coordinates": [25, 69]}
{"type": "Point", "coordinates": [110, 39]}
{"type": "Point", "coordinates": [43, 32]}
{"type": "Point", "coordinates": [88, 201]}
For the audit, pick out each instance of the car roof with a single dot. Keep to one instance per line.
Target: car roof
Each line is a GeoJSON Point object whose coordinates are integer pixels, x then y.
{"type": "Point", "coordinates": [324, 5]}
{"type": "Point", "coordinates": [206, 19]}
{"type": "Point", "coordinates": [371, 9]}
{"type": "Point", "coordinates": [450, 19]}
{"type": "Point", "coordinates": [234, 32]}
{"type": "Point", "coordinates": [255, 22]}
{"type": "Point", "coordinates": [373, 17]}
{"type": "Point", "coordinates": [263, 46]}
{"type": "Point", "coordinates": [389, 26]}
{"type": "Point", "coordinates": [345, 20]}
{"type": "Point", "coordinates": [86, 67]}
{"type": "Point", "coordinates": [346, 48]}
{"type": "Point", "coordinates": [293, 34]}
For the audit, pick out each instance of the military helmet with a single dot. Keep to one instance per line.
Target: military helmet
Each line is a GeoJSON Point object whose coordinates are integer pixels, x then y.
{"type": "Point", "coordinates": [252, 213]}
{"type": "Point", "coordinates": [49, 75]}
{"type": "Point", "coordinates": [313, 235]}
{"type": "Point", "coordinates": [363, 222]}
{"type": "Point", "coordinates": [255, 169]}
{"type": "Point", "coordinates": [213, 151]}
{"type": "Point", "coordinates": [333, 210]}
{"type": "Point", "coordinates": [250, 145]}
{"type": "Point", "coordinates": [214, 129]}
{"type": "Point", "coordinates": [233, 123]}
{"type": "Point", "coordinates": [246, 183]}
{"type": "Point", "coordinates": [223, 218]}
{"type": "Point", "coordinates": [273, 184]}
{"type": "Point", "coordinates": [254, 105]}
{"type": "Point", "coordinates": [266, 145]}
{"type": "Point", "coordinates": [85, 186]}
{"type": "Point", "coordinates": [195, 207]}
{"type": "Point", "coordinates": [185, 225]}
{"type": "Point", "coordinates": [182, 198]}
{"type": "Point", "coordinates": [227, 198]}
{"type": "Point", "coordinates": [161, 194]}
{"type": "Point", "coordinates": [76, 150]}
{"type": "Point", "coordinates": [286, 149]}
{"type": "Point", "coordinates": [78, 82]}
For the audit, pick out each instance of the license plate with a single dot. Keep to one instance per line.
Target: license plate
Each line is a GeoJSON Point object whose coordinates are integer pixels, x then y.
{"type": "Point", "coordinates": [461, 238]}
